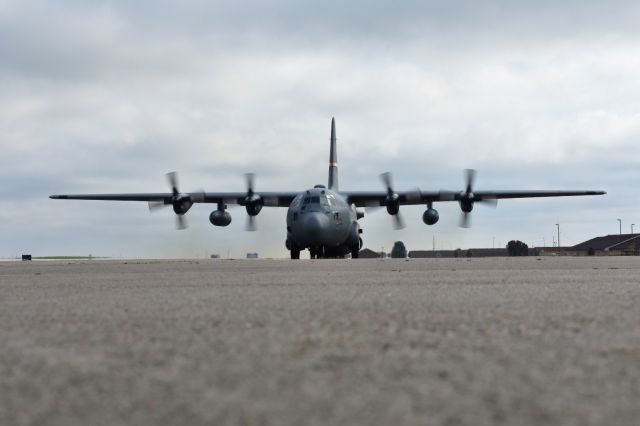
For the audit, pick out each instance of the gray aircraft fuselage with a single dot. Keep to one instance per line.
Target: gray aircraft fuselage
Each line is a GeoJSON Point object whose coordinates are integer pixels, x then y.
{"type": "Point", "coordinates": [322, 221]}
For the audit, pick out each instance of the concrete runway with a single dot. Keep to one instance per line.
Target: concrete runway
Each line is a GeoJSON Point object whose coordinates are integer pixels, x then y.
{"type": "Point", "coordinates": [531, 341]}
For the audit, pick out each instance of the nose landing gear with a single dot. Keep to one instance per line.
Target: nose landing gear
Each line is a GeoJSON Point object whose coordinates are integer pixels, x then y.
{"type": "Point", "coordinates": [316, 252]}
{"type": "Point", "coordinates": [293, 249]}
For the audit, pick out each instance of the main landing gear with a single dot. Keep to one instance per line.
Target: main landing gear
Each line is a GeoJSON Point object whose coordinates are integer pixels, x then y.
{"type": "Point", "coordinates": [322, 252]}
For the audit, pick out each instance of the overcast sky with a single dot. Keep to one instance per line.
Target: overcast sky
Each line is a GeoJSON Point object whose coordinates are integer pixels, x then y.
{"type": "Point", "coordinates": [109, 96]}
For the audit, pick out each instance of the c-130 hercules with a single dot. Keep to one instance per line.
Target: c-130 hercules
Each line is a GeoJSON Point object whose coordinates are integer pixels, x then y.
{"type": "Point", "coordinates": [322, 219]}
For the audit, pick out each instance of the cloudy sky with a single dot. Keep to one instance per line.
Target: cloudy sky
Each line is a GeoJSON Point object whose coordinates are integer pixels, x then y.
{"type": "Point", "coordinates": [108, 96]}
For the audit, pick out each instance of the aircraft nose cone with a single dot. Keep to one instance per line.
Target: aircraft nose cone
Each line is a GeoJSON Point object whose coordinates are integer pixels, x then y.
{"type": "Point", "coordinates": [314, 225]}
{"type": "Point", "coordinates": [313, 229]}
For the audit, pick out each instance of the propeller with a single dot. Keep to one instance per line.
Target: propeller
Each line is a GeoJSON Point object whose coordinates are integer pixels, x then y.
{"type": "Point", "coordinates": [465, 220]}
{"type": "Point", "coordinates": [468, 198]}
{"type": "Point", "coordinates": [392, 201]}
{"type": "Point", "coordinates": [252, 202]}
{"type": "Point", "coordinates": [181, 203]}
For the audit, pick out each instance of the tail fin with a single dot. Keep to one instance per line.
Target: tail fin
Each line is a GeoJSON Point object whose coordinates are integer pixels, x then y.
{"type": "Point", "coordinates": [333, 159]}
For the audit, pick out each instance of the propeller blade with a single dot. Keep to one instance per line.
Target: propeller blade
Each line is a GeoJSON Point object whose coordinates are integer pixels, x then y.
{"type": "Point", "coordinates": [250, 179]}
{"type": "Point", "coordinates": [372, 206]}
{"type": "Point", "coordinates": [251, 224]}
{"type": "Point", "coordinates": [465, 220]}
{"type": "Point", "coordinates": [398, 222]}
{"type": "Point", "coordinates": [489, 202]}
{"type": "Point", "coordinates": [156, 205]}
{"type": "Point", "coordinates": [469, 177]}
{"type": "Point", "coordinates": [172, 177]}
{"type": "Point", "coordinates": [181, 222]}
{"type": "Point", "coordinates": [386, 180]}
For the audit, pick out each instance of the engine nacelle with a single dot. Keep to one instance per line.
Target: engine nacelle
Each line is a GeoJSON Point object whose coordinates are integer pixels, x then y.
{"type": "Point", "coordinates": [466, 205]}
{"type": "Point", "coordinates": [253, 204]}
{"type": "Point", "coordinates": [253, 209]}
{"type": "Point", "coordinates": [220, 218]}
{"type": "Point", "coordinates": [430, 216]}
{"type": "Point", "coordinates": [182, 205]}
{"type": "Point", "coordinates": [393, 204]}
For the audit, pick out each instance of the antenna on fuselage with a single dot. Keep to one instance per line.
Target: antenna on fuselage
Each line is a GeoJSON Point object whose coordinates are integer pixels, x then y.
{"type": "Point", "coordinates": [333, 158]}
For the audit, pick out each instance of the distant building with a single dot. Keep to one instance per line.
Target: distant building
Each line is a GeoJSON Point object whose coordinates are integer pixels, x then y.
{"type": "Point", "coordinates": [609, 245]}
{"type": "Point", "coordinates": [252, 255]}
{"type": "Point", "coordinates": [430, 254]}
{"type": "Point", "coordinates": [472, 252]}
{"type": "Point", "coordinates": [26, 257]}
{"type": "Point", "coordinates": [369, 254]}
{"type": "Point", "coordinates": [215, 256]}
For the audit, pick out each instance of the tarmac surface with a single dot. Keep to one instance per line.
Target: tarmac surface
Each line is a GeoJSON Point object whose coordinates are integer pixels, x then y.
{"type": "Point", "coordinates": [528, 341]}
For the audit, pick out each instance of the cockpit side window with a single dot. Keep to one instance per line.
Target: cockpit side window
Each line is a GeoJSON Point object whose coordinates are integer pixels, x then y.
{"type": "Point", "coordinates": [296, 202]}
{"type": "Point", "coordinates": [306, 200]}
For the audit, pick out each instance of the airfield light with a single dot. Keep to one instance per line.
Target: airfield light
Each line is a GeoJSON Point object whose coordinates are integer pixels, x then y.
{"type": "Point", "coordinates": [558, 225]}
{"type": "Point", "coordinates": [620, 223]}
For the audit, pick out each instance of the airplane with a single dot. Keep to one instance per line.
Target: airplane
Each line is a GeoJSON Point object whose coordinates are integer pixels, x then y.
{"type": "Point", "coordinates": [323, 219]}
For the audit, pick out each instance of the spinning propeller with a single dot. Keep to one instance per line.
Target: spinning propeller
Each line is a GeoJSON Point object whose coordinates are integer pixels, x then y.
{"type": "Point", "coordinates": [252, 202]}
{"type": "Point", "coordinates": [467, 199]}
{"type": "Point", "coordinates": [392, 200]}
{"type": "Point", "coordinates": [180, 202]}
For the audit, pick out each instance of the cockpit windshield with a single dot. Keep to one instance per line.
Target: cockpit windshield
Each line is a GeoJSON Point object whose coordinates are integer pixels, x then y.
{"type": "Point", "coordinates": [312, 200]}
{"type": "Point", "coordinates": [323, 200]}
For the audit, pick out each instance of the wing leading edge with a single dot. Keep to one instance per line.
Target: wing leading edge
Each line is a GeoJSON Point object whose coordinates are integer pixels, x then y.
{"type": "Point", "coordinates": [271, 199]}
{"type": "Point", "coordinates": [378, 198]}
{"type": "Point", "coordinates": [359, 198]}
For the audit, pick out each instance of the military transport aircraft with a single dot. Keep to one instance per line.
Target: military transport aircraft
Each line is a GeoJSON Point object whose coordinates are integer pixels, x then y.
{"type": "Point", "coordinates": [322, 219]}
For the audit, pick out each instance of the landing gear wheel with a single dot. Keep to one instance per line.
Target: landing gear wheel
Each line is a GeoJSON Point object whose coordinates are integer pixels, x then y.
{"type": "Point", "coordinates": [295, 253]}
{"type": "Point", "coordinates": [316, 252]}
{"type": "Point", "coordinates": [355, 252]}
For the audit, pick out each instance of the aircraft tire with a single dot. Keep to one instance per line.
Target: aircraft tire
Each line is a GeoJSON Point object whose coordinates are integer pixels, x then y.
{"type": "Point", "coordinates": [355, 252]}
{"type": "Point", "coordinates": [293, 248]}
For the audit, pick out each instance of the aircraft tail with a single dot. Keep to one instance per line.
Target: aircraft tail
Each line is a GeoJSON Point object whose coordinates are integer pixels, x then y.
{"type": "Point", "coordinates": [333, 159]}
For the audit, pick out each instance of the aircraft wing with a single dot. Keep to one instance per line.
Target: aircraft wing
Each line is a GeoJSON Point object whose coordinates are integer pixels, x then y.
{"type": "Point", "coordinates": [160, 196]}
{"type": "Point", "coordinates": [377, 198]}
{"type": "Point", "coordinates": [500, 194]}
{"type": "Point", "coordinates": [271, 199]}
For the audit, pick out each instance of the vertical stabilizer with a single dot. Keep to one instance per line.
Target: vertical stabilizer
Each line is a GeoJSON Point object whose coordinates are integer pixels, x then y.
{"type": "Point", "coordinates": [333, 159]}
